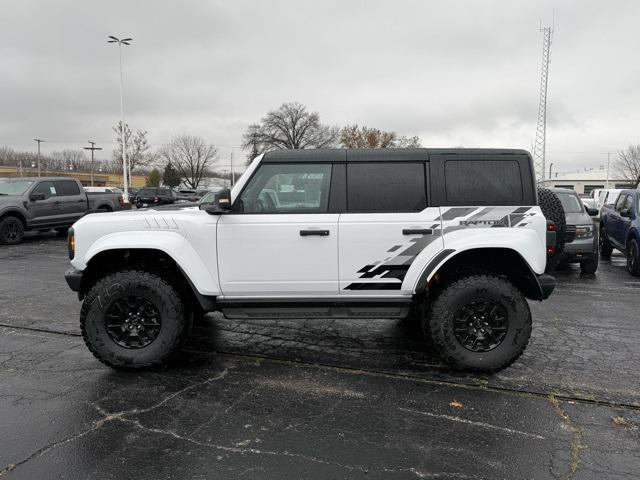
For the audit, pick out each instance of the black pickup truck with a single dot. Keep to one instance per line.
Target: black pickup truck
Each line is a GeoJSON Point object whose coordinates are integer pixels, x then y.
{"type": "Point", "coordinates": [43, 203]}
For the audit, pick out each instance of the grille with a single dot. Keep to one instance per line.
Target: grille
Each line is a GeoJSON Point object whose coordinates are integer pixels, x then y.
{"type": "Point", "coordinates": [570, 233]}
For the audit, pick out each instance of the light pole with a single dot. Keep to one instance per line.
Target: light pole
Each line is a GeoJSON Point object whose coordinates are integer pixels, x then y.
{"type": "Point", "coordinates": [39, 142]}
{"type": "Point", "coordinates": [93, 148]}
{"type": "Point", "coordinates": [125, 180]}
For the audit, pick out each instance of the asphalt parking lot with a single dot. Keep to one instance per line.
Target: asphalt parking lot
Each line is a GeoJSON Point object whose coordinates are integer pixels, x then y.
{"type": "Point", "coordinates": [317, 398]}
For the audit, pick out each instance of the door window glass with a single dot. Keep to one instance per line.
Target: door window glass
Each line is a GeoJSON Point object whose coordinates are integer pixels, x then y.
{"type": "Point", "coordinates": [287, 188]}
{"type": "Point", "coordinates": [386, 187]}
{"type": "Point", "coordinates": [48, 189]}
{"type": "Point", "coordinates": [620, 203]}
{"type": "Point", "coordinates": [67, 188]}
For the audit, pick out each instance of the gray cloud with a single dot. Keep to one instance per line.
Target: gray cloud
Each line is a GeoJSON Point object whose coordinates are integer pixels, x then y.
{"type": "Point", "coordinates": [455, 73]}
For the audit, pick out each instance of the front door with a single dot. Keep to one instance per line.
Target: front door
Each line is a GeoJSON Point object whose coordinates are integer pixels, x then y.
{"type": "Point", "coordinates": [618, 222]}
{"type": "Point", "coordinates": [48, 211]}
{"type": "Point", "coordinates": [386, 226]}
{"type": "Point", "coordinates": [280, 239]}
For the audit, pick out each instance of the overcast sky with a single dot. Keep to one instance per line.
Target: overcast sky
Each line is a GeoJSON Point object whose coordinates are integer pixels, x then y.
{"type": "Point", "coordinates": [463, 73]}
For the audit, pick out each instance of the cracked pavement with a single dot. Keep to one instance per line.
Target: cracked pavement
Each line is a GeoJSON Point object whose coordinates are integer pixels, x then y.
{"type": "Point", "coordinates": [317, 398]}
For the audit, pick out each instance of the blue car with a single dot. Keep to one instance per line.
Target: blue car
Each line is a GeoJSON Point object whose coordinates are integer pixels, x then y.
{"type": "Point", "coordinates": [620, 229]}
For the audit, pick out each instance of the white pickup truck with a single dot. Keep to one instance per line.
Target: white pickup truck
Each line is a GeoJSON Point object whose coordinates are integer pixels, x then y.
{"type": "Point", "coordinates": [454, 236]}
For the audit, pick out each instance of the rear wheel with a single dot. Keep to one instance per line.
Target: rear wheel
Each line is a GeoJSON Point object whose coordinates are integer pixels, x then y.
{"type": "Point", "coordinates": [133, 319]}
{"type": "Point", "coordinates": [590, 265]}
{"type": "Point", "coordinates": [604, 246]}
{"type": "Point", "coordinates": [11, 230]}
{"type": "Point", "coordinates": [633, 258]}
{"type": "Point", "coordinates": [479, 323]}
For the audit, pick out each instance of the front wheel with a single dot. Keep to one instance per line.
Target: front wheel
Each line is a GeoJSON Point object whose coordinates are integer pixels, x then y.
{"type": "Point", "coordinates": [133, 319]}
{"type": "Point", "coordinates": [633, 258]}
{"type": "Point", "coordinates": [590, 265]}
{"type": "Point", "coordinates": [11, 230]}
{"type": "Point", "coordinates": [604, 246]}
{"type": "Point", "coordinates": [479, 323]}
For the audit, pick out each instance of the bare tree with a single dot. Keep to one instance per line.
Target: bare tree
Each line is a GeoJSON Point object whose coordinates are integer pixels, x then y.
{"type": "Point", "coordinates": [628, 164]}
{"type": "Point", "coordinates": [289, 127]}
{"type": "Point", "coordinates": [353, 136]}
{"type": "Point", "coordinates": [191, 157]}
{"type": "Point", "coordinates": [67, 159]}
{"type": "Point", "coordinates": [138, 154]}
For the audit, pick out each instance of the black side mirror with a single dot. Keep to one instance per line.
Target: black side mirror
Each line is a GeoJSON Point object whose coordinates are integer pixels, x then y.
{"type": "Point", "coordinates": [592, 211]}
{"type": "Point", "coordinates": [37, 196]}
{"type": "Point", "coordinates": [625, 213]}
{"type": "Point", "coordinates": [221, 204]}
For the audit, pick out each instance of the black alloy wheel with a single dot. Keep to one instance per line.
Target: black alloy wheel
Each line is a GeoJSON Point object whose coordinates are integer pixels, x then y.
{"type": "Point", "coordinates": [481, 325]}
{"type": "Point", "coordinates": [133, 322]}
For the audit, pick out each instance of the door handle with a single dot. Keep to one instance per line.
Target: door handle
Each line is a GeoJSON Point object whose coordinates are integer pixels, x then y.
{"type": "Point", "coordinates": [81, 201]}
{"type": "Point", "coordinates": [417, 231]}
{"type": "Point", "coordinates": [57, 202]}
{"type": "Point", "coordinates": [319, 233]}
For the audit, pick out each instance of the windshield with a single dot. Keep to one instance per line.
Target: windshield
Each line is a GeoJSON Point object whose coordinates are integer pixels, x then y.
{"type": "Point", "coordinates": [570, 203]}
{"type": "Point", "coordinates": [14, 187]}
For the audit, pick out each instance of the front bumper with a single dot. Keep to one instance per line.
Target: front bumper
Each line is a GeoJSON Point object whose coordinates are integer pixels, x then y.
{"type": "Point", "coordinates": [547, 285]}
{"type": "Point", "coordinates": [73, 277]}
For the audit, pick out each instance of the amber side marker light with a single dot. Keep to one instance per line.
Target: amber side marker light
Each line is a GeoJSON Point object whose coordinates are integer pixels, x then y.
{"type": "Point", "coordinates": [71, 243]}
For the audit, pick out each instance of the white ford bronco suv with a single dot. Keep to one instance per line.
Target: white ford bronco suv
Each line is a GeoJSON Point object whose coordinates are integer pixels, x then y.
{"type": "Point", "coordinates": [452, 236]}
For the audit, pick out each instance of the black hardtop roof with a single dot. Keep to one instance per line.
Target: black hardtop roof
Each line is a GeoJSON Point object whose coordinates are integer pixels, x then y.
{"type": "Point", "coordinates": [379, 154]}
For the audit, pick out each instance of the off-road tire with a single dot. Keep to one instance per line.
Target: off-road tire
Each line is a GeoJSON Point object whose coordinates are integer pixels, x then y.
{"type": "Point", "coordinates": [553, 210]}
{"type": "Point", "coordinates": [11, 230]}
{"type": "Point", "coordinates": [439, 324]}
{"type": "Point", "coordinates": [633, 258]}
{"type": "Point", "coordinates": [590, 265]}
{"type": "Point", "coordinates": [175, 319]}
{"type": "Point", "coordinates": [604, 246]}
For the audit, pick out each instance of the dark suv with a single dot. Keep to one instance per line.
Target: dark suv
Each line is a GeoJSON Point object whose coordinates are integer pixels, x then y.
{"type": "Point", "coordinates": [155, 196]}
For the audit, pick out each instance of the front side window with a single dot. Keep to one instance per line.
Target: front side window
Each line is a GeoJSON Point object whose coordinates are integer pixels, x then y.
{"type": "Point", "coordinates": [287, 188]}
{"type": "Point", "coordinates": [386, 187]}
{"type": "Point", "coordinates": [48, 189]}
{"type": "Point", "coordinates": [621, 202]}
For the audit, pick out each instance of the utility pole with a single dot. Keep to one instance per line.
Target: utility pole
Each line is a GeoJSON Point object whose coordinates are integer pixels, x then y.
{"type": "Point", "coordinates": [550, 168]}
{"type": "Point", "coordinates": [233, 175]}
{"type": "Point", "coordinates": [39, 142]}
{"type": "Point", "coordinates": [120, 42]}
{"type": "Point", "coordinates": [608, 165]}
{"type": "Point", "coordinates": [540, 144]}
{"type": "Point", "coordinates": [93, 148]}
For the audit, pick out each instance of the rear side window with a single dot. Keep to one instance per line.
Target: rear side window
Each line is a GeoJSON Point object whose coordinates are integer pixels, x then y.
{"type": "Point", "coordinates": [386, 187]}
{"type": "Point", "coordinates": [483, 182]}
{"type": "Point", "coordinates": [67, 188]}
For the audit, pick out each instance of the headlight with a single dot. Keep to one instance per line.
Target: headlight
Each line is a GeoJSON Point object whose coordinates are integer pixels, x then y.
{"type": "Point", "coordinates": [584, 231]}
{"type": "Point", "coordinates": [71, 243]}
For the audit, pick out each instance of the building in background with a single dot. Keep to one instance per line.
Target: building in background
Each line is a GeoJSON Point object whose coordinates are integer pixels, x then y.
{"type": "Point", "coordinates": [99, 179]}
{"type": "Point", "coordinates": [585, 181]}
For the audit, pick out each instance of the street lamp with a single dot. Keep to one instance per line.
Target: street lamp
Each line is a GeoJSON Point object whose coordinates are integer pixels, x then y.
{"type": "Point", "coordinates": [120, 42]}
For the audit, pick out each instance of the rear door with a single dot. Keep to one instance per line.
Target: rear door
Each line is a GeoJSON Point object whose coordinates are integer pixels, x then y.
{"type": "Point", "coordinates": [387, 223]}
{"type": "Point", "coordinates": [73, 200]}
{"type": "Point", "coordinates": [281, 240]}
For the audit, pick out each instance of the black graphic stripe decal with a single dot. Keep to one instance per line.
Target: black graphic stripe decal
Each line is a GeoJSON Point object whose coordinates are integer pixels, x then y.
{"type": "Point", "coordinates": [374, 286]}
